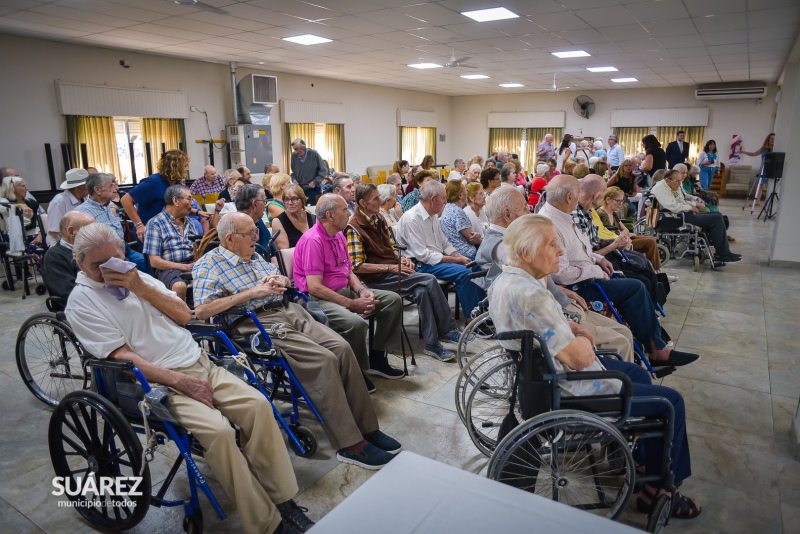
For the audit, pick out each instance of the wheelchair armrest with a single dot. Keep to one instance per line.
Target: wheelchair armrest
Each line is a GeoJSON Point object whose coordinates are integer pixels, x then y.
{"type": "Point", "coordinates": [624, 395]}
{"type": "Point", "coordinates": [478, 274]}
{"type": "Point", "coordinates": [117, 365]}
{"type": "Point", "coordinates": [202, 328]}
{"type": "Point", "coordinates": [195, 237]}
{"type": "Point", "coordinates": [608, 352]}
{"type": "Point", "coordinates": [471, 264]}
{"type": "Point", "coordinates": [296, 292]}
{"type": "Point", "coordinates": [399, 247]}
{"type": "Point", "coordinates": [187, 276]}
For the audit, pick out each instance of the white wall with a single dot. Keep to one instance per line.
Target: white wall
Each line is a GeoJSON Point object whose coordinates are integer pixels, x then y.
{"type": "Point", "coordinates": [726, 117]}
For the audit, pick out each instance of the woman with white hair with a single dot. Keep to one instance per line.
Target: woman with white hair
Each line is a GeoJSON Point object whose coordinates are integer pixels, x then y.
{"type": "Point", "coordinates": [538, 183]}
{"type": "Point", "coordinates": [14, 192]}
{"type": "Point", "coordinates": [519, 300]}
{"type": "Point", "coordinates": [473, 174]}
{"type": "Point", "coordinates": [599, 149]}
{"type": "Point", "coordinates": [390, 209]}
{"type": "Point", "coordinates": [583, 152]}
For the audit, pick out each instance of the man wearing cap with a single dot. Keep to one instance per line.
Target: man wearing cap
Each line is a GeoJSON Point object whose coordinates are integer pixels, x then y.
{"type": "Point", "coordinates": [71, 198]}
{"type": "Point", "coordinates": [615, 153]}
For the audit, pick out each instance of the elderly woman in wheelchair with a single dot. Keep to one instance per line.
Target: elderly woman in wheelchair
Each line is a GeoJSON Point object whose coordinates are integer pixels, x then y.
{"type": "Point", "coordinates": [519, 301]}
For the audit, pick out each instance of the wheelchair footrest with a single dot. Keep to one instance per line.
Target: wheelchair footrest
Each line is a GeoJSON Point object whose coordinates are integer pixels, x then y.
{"type": "Point", "coordinates": [661, 372]}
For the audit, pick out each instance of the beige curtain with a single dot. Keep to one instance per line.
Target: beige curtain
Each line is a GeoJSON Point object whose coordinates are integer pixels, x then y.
{"type": "Point", "coordinates": [536, 136]}
{"type": "Point", "coordinates": [334, 145]}
{"type": "Point", "coordinates": [98, 135]}
{"type": "Point", "coordinates": [298, 130]}
{"type": "Point", "coordinates": [695, 136]}
{"type": "Point", "coordinates": [416, 143]}
{"type": "Point", "coordinates": [168, 131]}
{"type": "Point", "coordinates": [630, 139]}
{"type": "Point", "coordinates": [505, 139]}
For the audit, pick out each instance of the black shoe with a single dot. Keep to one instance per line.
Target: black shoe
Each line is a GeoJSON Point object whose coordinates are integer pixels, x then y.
{"type": "Point", "coordinates": [285, 528]}
{"type": "Point", "coordinates": [379, 365]}
{"type": "Point", "coordinates": [678, 358]}
{"type": "Point", "coordinates": [384, 442]}
{"type": "Point", "coordinates": [370, 386]}
{"type": "Point", "coordinates": [295, 516]}
{"type": "Point", "coordinates": [730, 258]}
{"type": "Point", "coordinates": [371, 457]}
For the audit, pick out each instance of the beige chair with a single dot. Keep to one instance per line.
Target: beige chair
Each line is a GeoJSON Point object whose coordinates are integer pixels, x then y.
{"type": "Point", "coordinates": [739, 178]}
{"type": "Point", "coordinates": [286, 262]}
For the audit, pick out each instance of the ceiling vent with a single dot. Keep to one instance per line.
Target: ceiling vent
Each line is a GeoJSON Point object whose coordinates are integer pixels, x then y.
{"type": "Point", "coordinates": [730, 91]}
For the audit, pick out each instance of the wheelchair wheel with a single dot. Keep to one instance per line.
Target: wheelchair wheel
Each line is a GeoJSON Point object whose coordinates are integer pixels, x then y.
{"type": "Point", "coordinates": [659, 516]}
{"type": "Point", "coordinates": [560, 455]}
{"type": "Point", "coordinates": [663, 253]}
{"type": "Point", "coordinates": [487, 405]}
{"type": "Point", "coordinates": [89, 438]}
{"type": "Point", "coordinates": [193, 524]}
{"type": "Point", "coordinates": [307, 438]}
{"type": "Point", "coordinates": [476, 338]}
{"type": "Point", "coordinates": [696, 263]}
{"type": "Point", "coordinates": [474, 370]}
{"type": "Point", "coordinates": [49, 358]}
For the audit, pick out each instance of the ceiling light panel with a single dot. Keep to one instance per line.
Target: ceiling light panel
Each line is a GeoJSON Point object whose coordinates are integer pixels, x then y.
{"type": "Point", "coordinates": [624, 80]}
{"type": "Point", "coordinates": [511, 85]}
{"type": "Point", "coordinates": [486, 15]}
{"type": "Point", "coordinates": [307, 39]}
{"type": "Point", "coordinates": [602, 69]}
{"type": "Point", "coordinates": [475, 76]}
{"type": "Point", "coordinates": [571, 53]}
{"type": "Point", "coordinates": [424, 66]}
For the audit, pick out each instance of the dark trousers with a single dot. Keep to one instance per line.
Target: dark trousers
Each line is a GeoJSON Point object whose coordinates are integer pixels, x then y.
{"type": "Point", "coordinates": [312, 194]}
{"type": "Point", "coordinates": [712, 224]}
{"type": "Point", "coordinates": [653, 448]}
{"type": "Point", "coordinates": [633, 303]}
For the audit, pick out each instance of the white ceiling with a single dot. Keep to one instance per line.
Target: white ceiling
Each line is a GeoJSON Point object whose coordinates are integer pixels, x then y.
{"type": "Point", "coordinates": [663, 43]}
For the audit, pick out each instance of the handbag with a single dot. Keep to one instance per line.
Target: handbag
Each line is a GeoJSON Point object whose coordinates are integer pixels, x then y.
{"type": "Point", "coordinates": [651, 215]}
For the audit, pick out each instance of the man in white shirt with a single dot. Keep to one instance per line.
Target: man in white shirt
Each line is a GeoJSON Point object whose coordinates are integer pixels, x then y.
{"type": "Point", "coordinates": [71, 198]}
{"type": "Point", "coordinates": [421, 233]}
{"type": "Point", "coordinates": [143, 327]}
{"type": "Point", "coordinates": [615, 153]}
{"type": "Point", "coordinates": [458, 173]}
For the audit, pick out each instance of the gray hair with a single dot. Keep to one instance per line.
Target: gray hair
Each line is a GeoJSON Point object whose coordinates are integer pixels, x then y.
{"type": "Point", "coordinates": [225, 227]}
{"type": "Point", "coordinates": [431, 189]}
{"type": "Point", "coordinates": [246, 195]}
{"type": "Point", "coordinates": [325, 203]}
{"type": "Point", "coordinates": [5, 171]}
{"type": "Point", "coordinates": [386, 191]}
{"type": "Point", "coordinates": [593, 160]}
{"type": "Point", "coordinates": [584, 143]}
{"type": "Point", "coordinates": [92, 236]}
{"type": "Point", "coordinates": [298, 142]}
{"type": "Point", "coordinates": [7, 189]}
{"type": "Point", "coordinates": [694, 171]}
{"type": "Point", "coordinates": [173, 192]}
{"type": "Point", "coordinates": [394, 179]}
{"type": "Point", "coordinates": [338, 182]}
{"type": "Point", "coordinates": [541, 169]}
{"type": "Point", "coordinates": [598, 145]}
{"type": "Point", "coordinates": [229, 175]}
{"type": "Point", "coordinates": [501, 199]}
{"type": "Point", "coordinates": [74, 218]}
{"type": "Point", "coordinates": [98, 179]}
{"type": "Point", "coordinates": [526, 234]}
{"type": "Point", "coordinates": [682, 166]}
{"type": "Point", "coordinates": [506, 171]}
{"type": "Point", "coordinates": [457, 161]}
{"type": "Point", "coordinates": [557, 192]}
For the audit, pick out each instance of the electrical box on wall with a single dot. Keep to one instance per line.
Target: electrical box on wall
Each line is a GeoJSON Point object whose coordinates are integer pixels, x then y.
{"type": "Point", "coordinates": [251, 145]}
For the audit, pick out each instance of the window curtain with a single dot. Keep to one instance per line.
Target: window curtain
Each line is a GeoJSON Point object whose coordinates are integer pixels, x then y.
{"type": "Point", "coordinates": [297, 130]}
{"type": "Point", "coordinates": [536, 136]}
{"type": "Point", "coordinates": [98, 135]}
{"type": "Point", "coordinates": [630, 139]}
{"type": "Point", "coordinates": [416, 143]}
{"type": "Point", "coordinates": [171, 132]}
{"type": "Point", "coordinates": [695, 136]}
{"type": "Point", "coordinates": [505, 139]}
{"type": "Point", "coordinates": [334, 146]}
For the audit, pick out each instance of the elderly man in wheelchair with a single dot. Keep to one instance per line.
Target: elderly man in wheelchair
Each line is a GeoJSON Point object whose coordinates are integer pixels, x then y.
{"type": "Point", "coordinates": [323, 362]}
{"type": "Point", "coordinates": [120, 314]}
{"type": "Point", "coordinates": [519, 301]}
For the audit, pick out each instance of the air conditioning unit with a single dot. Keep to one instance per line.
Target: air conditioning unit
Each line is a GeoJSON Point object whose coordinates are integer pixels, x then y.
{"type": "Point", "coordinates": [730, 91]}
{"type": "Point", "coordinates": [258, 89]}
{"type": "Point", "coordinates": [251, 145]}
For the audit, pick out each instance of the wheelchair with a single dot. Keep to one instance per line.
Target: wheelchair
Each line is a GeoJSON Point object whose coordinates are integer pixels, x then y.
{"type": "Point", "coordinates": [575, 450]}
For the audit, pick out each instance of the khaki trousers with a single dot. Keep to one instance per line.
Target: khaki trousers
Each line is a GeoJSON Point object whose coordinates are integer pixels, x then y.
{"type": "Point", "coordinates": [647, 245]}
{"type": "Point", "coordinates": [260, 475]}
{"type": "Point", "coordinates": [324, 364]}
{"type": "Point", "coordinates": [608, 333]}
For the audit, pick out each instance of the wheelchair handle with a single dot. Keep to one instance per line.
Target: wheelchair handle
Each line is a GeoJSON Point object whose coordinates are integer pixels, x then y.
{"type": "Point", "coordinates": [399, 247]}
{"type": "Point", "coordinates": [119, 365]}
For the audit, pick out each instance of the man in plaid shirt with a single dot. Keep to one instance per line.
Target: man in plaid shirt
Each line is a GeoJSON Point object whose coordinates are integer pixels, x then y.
{"type": "Point", "coordinates": [167, 240]}
{"type": "Point", "coordinates": [210, 183]}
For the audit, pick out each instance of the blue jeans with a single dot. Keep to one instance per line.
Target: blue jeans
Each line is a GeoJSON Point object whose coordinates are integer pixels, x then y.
{"type": "Point", "coordinates": [469, 293]}
{"type": "Point", "coordinates": [706, 177]}
{"type": "Point", "coordinates": [633, 302]}
{"type": "Point", "coordinates": [137, 258]}
{"type": "Point", "coordinates": [652, 448]}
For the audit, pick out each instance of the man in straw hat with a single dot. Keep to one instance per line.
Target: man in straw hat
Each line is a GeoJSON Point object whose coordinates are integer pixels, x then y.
{"type": "Point", "coordinates": [73, 195]}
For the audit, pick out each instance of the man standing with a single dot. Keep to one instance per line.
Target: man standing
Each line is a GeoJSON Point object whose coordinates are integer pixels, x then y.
{"type": "Point", "coordinates": [344, 187]}
{"type": "Point", "coordinates": [458, 173]}
{"type": "Point", "coordinates": [420, 231]}
{"type": "Point", "coordinates": [59, 269]}
{"type": "Point", "coordinates": [308, 169]}
{"type": "Point", "coordinates": [167, 240]}
{"type": "Point", "coordinates": [322, 268]}
{"type": "Point", "coordinates": [102, 187]}
{"type": "Point", "coordinates": [210, 183]}
{"type": "Point", "coordinates": [545, 150]}
{"type": "Point", "coordinates": [75, 186]}
{"type": "Point", "coordinates": [615, 153]}
{"type": "Point", "coordinates": [678, 150]}
{"type": "Point", "coordinates": [371, 247]}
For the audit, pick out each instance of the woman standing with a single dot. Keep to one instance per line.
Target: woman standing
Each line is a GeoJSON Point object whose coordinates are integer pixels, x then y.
{"type": "Point", "coordinates": [708, 162]}
{"type": "Point", "coordinates": [563, 153]}
{"type": "Point", "coordinates": [476, 200]}
{"type": "Point", "coordinates": [293, 222]}
{"type": "Point", "coordinates": [766, 148]}
{"type": "Point", "coordinates": [401, 168]}
{"type": "Point", "coordinates": [427, 162]}
{"type": "Point", "coordinates": [655, 158]}
{"type": "Point", "coordinates": [277, 188]}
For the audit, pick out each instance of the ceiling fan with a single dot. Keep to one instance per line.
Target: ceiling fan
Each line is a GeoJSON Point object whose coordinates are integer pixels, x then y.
{"type": "Point", "coordinates": [554, 87]}
{"type": "Point", "coordinates": [200, 5]}
{"type": "Point", "coordinates": [453, 63]}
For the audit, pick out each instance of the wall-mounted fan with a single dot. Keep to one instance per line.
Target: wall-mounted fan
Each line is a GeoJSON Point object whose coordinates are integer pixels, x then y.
{"type": "Point", "coordinates": [583, 106]}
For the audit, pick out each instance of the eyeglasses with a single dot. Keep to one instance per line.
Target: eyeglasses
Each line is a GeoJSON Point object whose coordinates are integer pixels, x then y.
{"type": "Point", "coordinates": [289, 200]}
{"type": "Point", "coordinates": [251, 234]}
{"type": "Point", "coordinates": [617, 200]}
{"type": "Point", "coordinates": [189, 198]}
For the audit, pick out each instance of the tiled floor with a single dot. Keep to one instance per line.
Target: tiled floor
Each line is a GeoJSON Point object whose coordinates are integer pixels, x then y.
{"type": "Point", "coordinates": [740, 399]}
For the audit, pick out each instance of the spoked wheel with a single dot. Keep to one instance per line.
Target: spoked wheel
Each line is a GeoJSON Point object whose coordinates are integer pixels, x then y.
{"type": "Point", "coordinates": [90, 438]}
{"type": "Point", "coordinates": [560, 455]}
{"type": "Point", "coordinates": [473, 371]}
{"type": "Point", "coordinates": [487, 405]}
{"type": "Point", "coordinates": [659, 516]}
{"type": "Point", "coordinates": [49, 358]}
{"type": "Point", "coordinates": [307, 438]}
{"type": "Point", "coordinates": [663, 253]}
{"type": "Point", "coordinates": [476, 338]}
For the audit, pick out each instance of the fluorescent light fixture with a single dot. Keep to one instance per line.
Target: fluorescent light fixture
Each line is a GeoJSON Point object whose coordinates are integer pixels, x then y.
{"type": "Point", "coordinates": [623, 80]}
{"type": "Point", "coordinates": [511, 85]}
{"type": "Point", "coordinates": [602, 69]}
{"type": "Point", "coordinates": [307, 39]}
{"type": "Point", "coordinates": [475, 76]}
{"type": "Point", "coordinates": [486, 15]}
{"type": "Point", "coordinates": [571, 53]}
{"type": "Point", "coordinates": [424, 66]}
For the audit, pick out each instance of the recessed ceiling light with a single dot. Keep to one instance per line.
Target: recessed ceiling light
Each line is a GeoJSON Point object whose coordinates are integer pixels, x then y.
{"type": "Point", "coordinates": [602, 69]}
{"type": "Point", "coordinates": [475, 76]}
{"type": "Point", "coordinates": [307, 39]}
{"type": "Point", "coordinates": [260, 62]}
{"type": "Point", "coordinates": [486, 15]}
{"type": "Point", "coordinates": [424, 66]}
{"type": "Point", "coordinates": [511, 85]}
{"type": "Point", "coordinates": [623, 80]}
{"type": "Point", "coordinates": [571, 53]}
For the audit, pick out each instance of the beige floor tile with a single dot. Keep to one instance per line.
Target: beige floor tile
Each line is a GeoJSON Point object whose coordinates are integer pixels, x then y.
{"type": "Point", "coordinates": [791, 518]}
{"type": "Point", "coordinates": [729, 342]}
{"type": "Point", "coordinates": [783, 411]}
{"type": "Point", "coordinates": [729, 370]}
{"type": "Point", "coordinates": [785, 379]}
{"type": "Point", "coordinates": [751, 322]}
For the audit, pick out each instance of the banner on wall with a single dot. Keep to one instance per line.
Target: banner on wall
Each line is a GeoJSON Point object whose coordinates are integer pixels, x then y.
{"type": "Point", "coordinates": [736, 149]}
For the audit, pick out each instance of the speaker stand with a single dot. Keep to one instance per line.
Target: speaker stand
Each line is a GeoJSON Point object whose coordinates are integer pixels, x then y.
{"type": "Point", "coordinates": [770, 207]}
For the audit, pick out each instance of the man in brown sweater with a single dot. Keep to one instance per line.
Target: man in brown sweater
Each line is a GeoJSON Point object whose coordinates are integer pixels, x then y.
{"type": "Point", "coordinates": [371, 247]}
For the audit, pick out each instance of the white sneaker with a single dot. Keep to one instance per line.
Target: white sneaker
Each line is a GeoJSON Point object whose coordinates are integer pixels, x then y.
{"type": "Point", "coordinates": [672, 278]}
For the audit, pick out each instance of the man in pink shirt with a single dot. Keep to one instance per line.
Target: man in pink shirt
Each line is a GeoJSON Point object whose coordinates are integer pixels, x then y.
{"type": "Point", "coordinates": [322, 268]}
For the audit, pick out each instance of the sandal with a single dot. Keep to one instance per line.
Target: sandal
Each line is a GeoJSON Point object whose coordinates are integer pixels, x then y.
{"type": "Point", "coordinates": [641, 505]}
{"type": "Point", "coordinates": [684, 508]}
{"type": "Point", "coordinates": [731, 239]}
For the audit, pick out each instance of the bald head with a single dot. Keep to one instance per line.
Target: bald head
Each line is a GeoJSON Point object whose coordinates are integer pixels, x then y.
{"type": "Point", "coordinates": [562, 192]}
{"type": "Point", "coordinates": [209, 173]}
{"type": "Point", "coordinates": [231, 223]}
{"type": "Point", "coordinates": [592, 189]}
{"type": "Point", "coordinates": [71, 222]}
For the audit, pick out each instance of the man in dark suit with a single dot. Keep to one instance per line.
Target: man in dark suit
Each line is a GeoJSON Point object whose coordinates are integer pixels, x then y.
{"type": "Point", "coordinates": [678, 150]}
{"type": "Point", "coordinates": [60, 269]}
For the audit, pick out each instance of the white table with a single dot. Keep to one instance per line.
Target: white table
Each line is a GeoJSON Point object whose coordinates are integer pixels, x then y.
{"type": "Point", "coordinates": [414, 494]}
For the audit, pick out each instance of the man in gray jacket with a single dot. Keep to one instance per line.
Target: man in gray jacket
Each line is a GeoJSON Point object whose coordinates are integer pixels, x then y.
{"type": "Point", "coordinates": [308, 170]}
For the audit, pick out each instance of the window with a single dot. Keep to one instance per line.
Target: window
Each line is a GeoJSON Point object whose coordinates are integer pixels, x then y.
{"type": "Point", "coordinates": [523, 142]}
{"type": "Point", "coordinates": [128, 132]}
{"type": "Point", "coordinates": [416, 143]}
{"type": "Point", "coordinates": [631, 138]}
